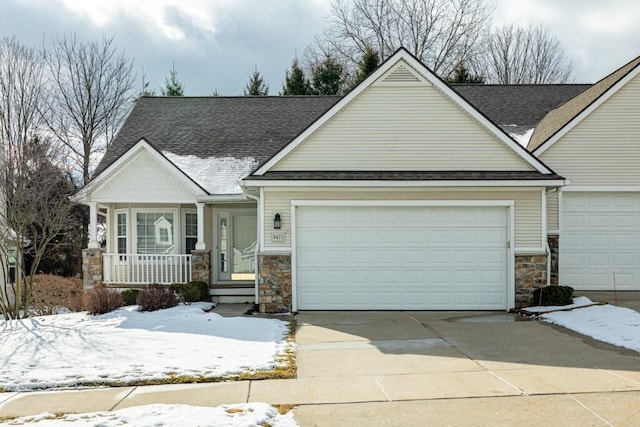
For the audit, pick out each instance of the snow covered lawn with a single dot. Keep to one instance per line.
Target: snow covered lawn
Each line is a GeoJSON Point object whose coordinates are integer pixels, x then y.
{"type": "Point", "coordinates": [127, 347]}
{"type": "Point", "coordinates": [249, 414]}
{"type": "Point", "coordinates": [608, 323]}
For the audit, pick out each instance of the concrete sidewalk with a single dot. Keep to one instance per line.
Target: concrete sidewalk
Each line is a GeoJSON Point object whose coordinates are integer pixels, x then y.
{"type": "Point", "coordinates": [412, 368]}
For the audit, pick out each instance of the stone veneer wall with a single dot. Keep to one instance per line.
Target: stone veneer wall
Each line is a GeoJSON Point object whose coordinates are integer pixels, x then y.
{"type": "Point", "coordinates": [555, 249]}
{"type": "Point", "coordinates": [92, 268]}
{"type": "Point", "coordinates": [274, 287]}
{"type": "Point", "coordinates": [531, 273]}
{"type": "Point", "coordinates": [201, 266]}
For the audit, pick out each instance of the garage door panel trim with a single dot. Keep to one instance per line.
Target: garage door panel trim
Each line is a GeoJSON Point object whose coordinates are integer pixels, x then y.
{"type": "Point", "coordinates": [509, 204]}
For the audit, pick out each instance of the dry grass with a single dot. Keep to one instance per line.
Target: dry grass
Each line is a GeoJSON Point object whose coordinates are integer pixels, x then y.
{"type": "Point", "coordinates": [285, 408]}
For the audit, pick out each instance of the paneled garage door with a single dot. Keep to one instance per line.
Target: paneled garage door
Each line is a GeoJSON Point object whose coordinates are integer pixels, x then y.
{"type": "Point", "coordinates": [600, 237]}
{"type": "Point", "coordinates": [390, 258]}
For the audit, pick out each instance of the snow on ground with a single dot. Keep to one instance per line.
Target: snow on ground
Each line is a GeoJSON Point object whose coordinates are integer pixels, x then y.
{"type": "Point", "coordinates": [608, 323]}
{"type": "Point", "coordinates": [577, 302]}
{"type": "Point", "coordinates": [216, 175]}
{"type": "Point", "coordinates": [158, 415]}
{"type": "Point", "coordinates": [124, 346]}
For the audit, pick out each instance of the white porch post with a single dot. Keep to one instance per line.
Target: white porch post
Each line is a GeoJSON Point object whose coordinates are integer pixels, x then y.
{"type": "Point", "coordinates": [200, 245]}
{"type": "Point", "coordinates": [93, 226]}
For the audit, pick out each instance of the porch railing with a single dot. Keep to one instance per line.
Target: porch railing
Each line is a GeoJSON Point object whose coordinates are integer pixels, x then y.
{"type": "Point", "coordinates": [143, 269]}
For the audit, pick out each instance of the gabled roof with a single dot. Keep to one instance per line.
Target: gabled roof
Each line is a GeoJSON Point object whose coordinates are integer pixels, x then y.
{"type": "Point", "coordinates": [517, 108]}
{"type": "Point", "coordinates": [237, 127]}
{"type": "Point", "coordinates": [141, 145]}
{"type": "Point", "coordinates": [423, 73]}
{"type": "Point", "coordinates": [563, 118]}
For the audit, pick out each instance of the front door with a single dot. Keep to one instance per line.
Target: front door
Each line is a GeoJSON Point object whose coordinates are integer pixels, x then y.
{"type": "Point", "coordinates": [236, 244]}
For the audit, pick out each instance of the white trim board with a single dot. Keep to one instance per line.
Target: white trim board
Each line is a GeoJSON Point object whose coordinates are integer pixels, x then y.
{"type": "Point", "coordinates": [602, 189]}
{"type": "Point", "coordinates": [387, 183]}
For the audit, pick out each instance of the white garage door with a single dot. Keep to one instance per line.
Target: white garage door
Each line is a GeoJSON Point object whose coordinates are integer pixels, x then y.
{"type": "Point", "coordinates": [419, 258]}
{"type": "Point", "coordinates": [600, 237]}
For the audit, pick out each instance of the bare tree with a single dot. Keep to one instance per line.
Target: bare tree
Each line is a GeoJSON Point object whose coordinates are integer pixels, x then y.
{"type": "Point", "coordinates": [34, 193]}
{"type": "Point", "coordinates": [441, 33]}
{"type": "Point", "coordinates": [91, 92]}
{"type": "Point", "coordinates": [518, 55]}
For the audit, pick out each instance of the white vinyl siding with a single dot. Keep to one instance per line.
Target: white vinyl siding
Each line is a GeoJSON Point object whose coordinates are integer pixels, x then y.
{"type": "Point", "coordinates": [528, 206]}
{"type": "Point", "coordinates": [401, 257]}
{"type": "Point", "coordinates": [402, 128]}
{"type": "Point", "coordinates": [604, 148]}
{"type": "Point", "coordinates": [143, 180]}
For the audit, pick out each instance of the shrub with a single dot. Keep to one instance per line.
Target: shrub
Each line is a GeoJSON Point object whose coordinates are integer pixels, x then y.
{"type": "Point", "coordinates": [102, 300]}
{"type": "Point", "coordinates": [156, 297]}
{"type": "Point", "coordinates": [50, 294]}
{"type": "Point", "coordinates": [553, 295]}
{"type": "Point", "coordinates": [191, 291]}
{"type": "Point", "coordinates": [186, 293]}
{"type": "Point", "coordinates": [129, 296]}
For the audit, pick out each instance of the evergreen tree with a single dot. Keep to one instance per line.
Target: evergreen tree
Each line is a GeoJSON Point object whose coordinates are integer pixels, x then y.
{"type": "Point", "coordinates": [462, 75]}
{"type": "Point", "coordinates": [369, 62]}
{"type": "Point", "coordinates": [295, 82]}
{"type": "Point", "coordinates": [256, 85]}
{"type": "Point", "coordinates": [327, 77]}
{"type": "Point", "coordinates": [172, 86]}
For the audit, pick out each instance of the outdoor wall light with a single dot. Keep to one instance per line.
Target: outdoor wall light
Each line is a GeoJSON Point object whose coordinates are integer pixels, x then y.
{"type": "Point", "coordinates": [277, 221]}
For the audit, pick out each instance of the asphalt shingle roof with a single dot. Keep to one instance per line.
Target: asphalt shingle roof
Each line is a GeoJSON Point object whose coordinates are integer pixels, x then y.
{"type": "Point", "coordinates": [517, 108]}
{"type": "Point", "coordinates": [237, 127]}
{"type": "Point", "coordinates": [561, 116]}
{"type": "Point", "coordinates": [259, 127]}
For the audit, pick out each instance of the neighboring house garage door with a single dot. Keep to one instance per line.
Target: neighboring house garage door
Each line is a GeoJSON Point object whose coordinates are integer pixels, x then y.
{"type": "Point", "coordinates": [390, 258]}
{"type": "Point", "coordinates": [600, 238]}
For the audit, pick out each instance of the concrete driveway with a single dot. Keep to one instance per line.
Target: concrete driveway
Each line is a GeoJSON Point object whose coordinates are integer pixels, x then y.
{"type": "Point", "coordinates": [412, 369]}
{"type": "Point", "coordinates": [455, 368]}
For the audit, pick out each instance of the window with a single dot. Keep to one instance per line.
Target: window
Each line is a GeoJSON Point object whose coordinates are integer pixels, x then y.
{"type": "Point", "coordinates": [190, 231]}
{"type": "Point", "coordinates": [154, 232]}
{"type": "Point", "coordinates": [121, 232]}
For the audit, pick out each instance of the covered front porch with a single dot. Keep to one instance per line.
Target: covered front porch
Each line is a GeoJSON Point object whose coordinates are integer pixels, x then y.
{"type": "Point", "coordinates": [144, 244]}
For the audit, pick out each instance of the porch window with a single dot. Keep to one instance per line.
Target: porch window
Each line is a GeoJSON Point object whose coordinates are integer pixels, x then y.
{"type": "Point", "coordinates": [190, 231]}
{"type": "Point", "coordinates": [154, 232]}
{"type": "Point", "coordinates": [121, 232]}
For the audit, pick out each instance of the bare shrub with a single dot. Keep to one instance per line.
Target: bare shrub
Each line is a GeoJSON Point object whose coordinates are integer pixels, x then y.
{"type": "Point", "coordinates": [51, 294]}
{"type": "Point", "coordinates": [102, 300]}
{"type": "Point", "coordinates": [156, 297]}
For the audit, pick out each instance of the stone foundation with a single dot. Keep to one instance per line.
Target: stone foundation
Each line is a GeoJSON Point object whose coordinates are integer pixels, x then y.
{"type": "Point", "coordinates": [274, 288]}
{"type": "Point", "coordinates": [531, 273]}
{"type": "Point", "coordinates": [201, 266]}
{"type": "Point", "coordinates": [555, 249]}
{"type": "Point", "coordinates": [92, 267]}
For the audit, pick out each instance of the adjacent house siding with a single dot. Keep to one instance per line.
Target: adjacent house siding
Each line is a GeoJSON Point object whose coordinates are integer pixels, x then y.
{"type": "Point", "coordinates": [604, 148]}
{"type": "Point", "coordinates": [143, 179]}
{"type": "Point", "coordinates": [528, 206]}
{"type": "Point", "coordinates": [402, 128]}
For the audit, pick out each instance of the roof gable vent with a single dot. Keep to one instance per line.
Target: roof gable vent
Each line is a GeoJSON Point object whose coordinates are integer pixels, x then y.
{"type": "Point", "coordinates": [402, 74]}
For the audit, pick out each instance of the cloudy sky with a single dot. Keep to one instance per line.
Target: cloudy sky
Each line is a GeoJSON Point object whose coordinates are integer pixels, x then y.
{"type": "Point", "coordinates": [215, 44]}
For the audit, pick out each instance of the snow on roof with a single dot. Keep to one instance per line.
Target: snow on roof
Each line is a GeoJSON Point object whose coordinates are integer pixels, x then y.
{"type": "Point", "coordinates": [522, 138]}
{"type": "Point", "coordinates": [217, 175]}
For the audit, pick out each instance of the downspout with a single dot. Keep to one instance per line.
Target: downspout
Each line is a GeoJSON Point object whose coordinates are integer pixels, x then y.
{"type": "Point", "coordinates": [257, 249]}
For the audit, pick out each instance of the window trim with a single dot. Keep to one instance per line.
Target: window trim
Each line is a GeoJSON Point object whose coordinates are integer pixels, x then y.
{"type": "Point", "coordinates": [176, 226]}
{"type": "Point", "coordinates": [116, 236]}
{"type": "Point", "coordinates": [185, 236]}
